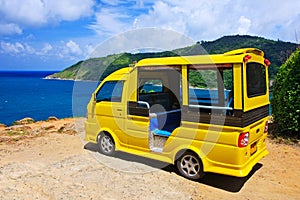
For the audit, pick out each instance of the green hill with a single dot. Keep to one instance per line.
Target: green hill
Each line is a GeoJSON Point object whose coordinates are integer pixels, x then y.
{"type": "Point", "coordinates": [98, 68]}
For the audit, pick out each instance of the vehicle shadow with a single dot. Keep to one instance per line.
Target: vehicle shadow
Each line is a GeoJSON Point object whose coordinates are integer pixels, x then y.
{"type": "Point", "coordinates": [134, 158]}
{"type": "Point", "coordinates": [228, 183]}
{"type": "Point", "coordinates": [223, 182]}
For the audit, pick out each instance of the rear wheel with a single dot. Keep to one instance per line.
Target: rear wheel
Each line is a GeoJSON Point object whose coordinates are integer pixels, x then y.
{"type": "Point", "coordinates": [190, 166]}
{"type": "Point", "coordinates": [106, 144]}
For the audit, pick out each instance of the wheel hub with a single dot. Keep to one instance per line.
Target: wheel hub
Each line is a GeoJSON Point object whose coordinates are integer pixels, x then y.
{"type": "Point", "coordinates": [190, 165]}
{"type": "Point", "coordinates": [106, 144]}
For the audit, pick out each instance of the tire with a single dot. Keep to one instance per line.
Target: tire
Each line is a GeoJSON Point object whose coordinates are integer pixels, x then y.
{"type": "Point", "coordinates": [190, 166]}
{"type": "Point", "coordinates": [106, 144]}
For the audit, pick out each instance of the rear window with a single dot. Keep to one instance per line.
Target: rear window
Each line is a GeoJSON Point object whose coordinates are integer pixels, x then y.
{"type": "Point", "coordinates": [256, 79]}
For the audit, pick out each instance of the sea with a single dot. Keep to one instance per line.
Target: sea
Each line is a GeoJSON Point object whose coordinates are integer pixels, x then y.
{"type": "Point", "coordinates": [29, 94]}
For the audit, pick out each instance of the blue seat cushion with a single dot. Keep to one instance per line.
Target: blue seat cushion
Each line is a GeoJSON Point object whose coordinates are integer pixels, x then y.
{"type": "Point", "coordinates": [153, 123]}
{"type": "Point", "coordinates": [161, 133]}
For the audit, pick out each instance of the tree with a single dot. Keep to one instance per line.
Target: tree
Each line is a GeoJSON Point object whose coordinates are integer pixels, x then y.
{"type": "Point", "coordinates": [286, 97]}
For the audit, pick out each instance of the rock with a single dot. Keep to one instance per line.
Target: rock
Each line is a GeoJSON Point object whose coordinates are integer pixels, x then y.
{"type": "Point", "coordinates": [68, 128]}
{"type": "Point", "coordinates": [24, 121]}
{"type": "Point", "coordinates": [49, 127]}
{"type": "Point", "coordinates": [2, 125]}
{"type": "Point", "coordinates": [52, 118]}
{"type": "Point", "coordinates": [18, 128]}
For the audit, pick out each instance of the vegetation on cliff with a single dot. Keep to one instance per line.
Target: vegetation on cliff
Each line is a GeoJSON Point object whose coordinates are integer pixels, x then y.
{"type": "Point", "coordinates": [97, 68]}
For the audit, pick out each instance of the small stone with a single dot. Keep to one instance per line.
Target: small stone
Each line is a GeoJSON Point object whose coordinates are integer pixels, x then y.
{"type": "Point", "coordinates": [52, 118]}
{"type": "Point", "coordinates": [24, 121]}
{"type": "Point", "coordinates": [18, 128]}
{"type": "Point", "coordinates": [49, 127]}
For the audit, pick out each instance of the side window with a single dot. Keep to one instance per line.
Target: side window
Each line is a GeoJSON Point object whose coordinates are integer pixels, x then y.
{"type": "Point", "coordinates": [228, 87]}
{"type": "Point", "coordinates": [150, 86]}
{"type": "Point", "coordinates": [203, 87]}
{"type": "Point", "coordinates": [211, 86]}
{"type": "Point", "coordinates": [256, 79]}
{"type": "Point", "coordinates": [110, 91]}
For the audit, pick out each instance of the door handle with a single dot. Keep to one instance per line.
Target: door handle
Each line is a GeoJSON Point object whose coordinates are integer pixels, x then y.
{"type": "Point", "coordinates": [137, 119]}
{"type": "Point", "coordinates": [119, 109]}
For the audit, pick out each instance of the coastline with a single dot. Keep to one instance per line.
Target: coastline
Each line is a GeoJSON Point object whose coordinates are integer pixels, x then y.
{"type": "Point", "coordinates": [28, 128]}
{"type": "Point", "coordinates": [67, 79]}
{"type": "Point", "coordinates": [57, 78]}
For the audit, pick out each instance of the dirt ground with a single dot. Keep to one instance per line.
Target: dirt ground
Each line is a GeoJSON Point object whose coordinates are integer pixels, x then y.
{"type": "Point", "coordinates": [58, 164]}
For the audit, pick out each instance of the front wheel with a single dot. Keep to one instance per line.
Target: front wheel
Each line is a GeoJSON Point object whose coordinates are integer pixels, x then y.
{"type": "Point", "coordinates": [106, 144]}
{"type": "Point", "coordinates": [190, 166]}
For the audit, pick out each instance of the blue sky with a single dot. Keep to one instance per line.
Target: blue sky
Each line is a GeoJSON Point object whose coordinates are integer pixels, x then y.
{"type": "Point", "coordinates": [51, 34]}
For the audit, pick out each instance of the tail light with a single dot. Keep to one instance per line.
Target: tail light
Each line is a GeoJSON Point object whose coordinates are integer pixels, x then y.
{"type": "Point", "coordinates": [247, 57]}
{"type": "Point", "coordinates": [243, 139]}
{"type": "Point", "coordinates": [266, 127]}
{"type": "Point", "coordinates": [267, 62]}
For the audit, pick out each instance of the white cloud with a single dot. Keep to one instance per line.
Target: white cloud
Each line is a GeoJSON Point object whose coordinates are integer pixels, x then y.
{"type": "Point", "coordinates": [29, 49]}
{"type": "Point", "coordinates": [46, 49]}
{"type": "Point", "coordinates": [165, 16]}
{"type": "Point", "coordinates": [143, 39]}
{"type": "Point", "coordinates": [41, 12]}
{"type": "Point", "coordinates": [205, 20]}
{"type": "Point", "coordinates": [11, 48]}
{"type": "Point", "coordinates": [72, 48]}
{"type": "Point", "coordinates": [110, 21]}
{"type": "Point", "coordinates": [29, 12]}
{"type": "Point", "coordinates": [244, 25]}
{"type": "Point", "coordinates": [139, 3]}
{"type": "Point", "coordinates": [116, 16]}
{"type": "Point", "coordinates": [64, 51]}
{"type": "Point", "coordinates": [69, 9]}
{"type": "Point", "coordinates": [16, 48]}
{"type": "Point", "coordinates": [89, 49]}
{"type": "Point", "coordinates": [68, 51]}
{"type": "Point", "coordinates": [23, 49]}
{"type": "Point", "coordinates": [10, 29]}
{"type": "Point", "coordinates": [201, 19]}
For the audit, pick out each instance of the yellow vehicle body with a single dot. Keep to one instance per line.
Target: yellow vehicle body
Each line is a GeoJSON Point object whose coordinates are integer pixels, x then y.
{"type": "Point", "coordinates": [225, 139]}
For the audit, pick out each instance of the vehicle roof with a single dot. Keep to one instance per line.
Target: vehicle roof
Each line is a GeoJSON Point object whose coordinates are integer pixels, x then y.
{"type": "Point", "coordinates": [119, 74]}
{"type": "Point", "coordinates": [234, 56]}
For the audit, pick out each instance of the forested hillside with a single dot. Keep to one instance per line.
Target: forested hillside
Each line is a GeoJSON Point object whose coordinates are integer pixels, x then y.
{"type": "Point", "coordinates": [276, 51]}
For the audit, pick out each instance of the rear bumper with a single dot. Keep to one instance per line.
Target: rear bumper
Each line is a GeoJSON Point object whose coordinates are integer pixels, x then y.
{"type": "Point", "coordinates": [238, 171]}
{"type": "Point", "coordinates": [246, 161]}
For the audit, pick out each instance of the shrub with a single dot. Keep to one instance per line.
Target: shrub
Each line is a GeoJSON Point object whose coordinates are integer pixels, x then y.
{"type": "Point", "coordinates": [286, 97]}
